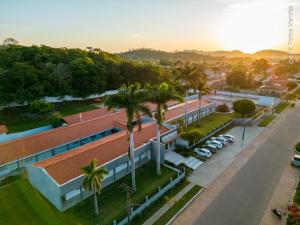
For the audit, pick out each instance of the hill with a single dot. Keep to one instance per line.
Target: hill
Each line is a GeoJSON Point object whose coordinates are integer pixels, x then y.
{"type": "Point", "coordinates": [150, 54]}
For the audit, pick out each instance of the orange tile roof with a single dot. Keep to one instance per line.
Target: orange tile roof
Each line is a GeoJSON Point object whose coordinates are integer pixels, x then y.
{"type": "Point", "coordinates": [177, 111]}
{"type": "Point", "coordinates": [66, 166]}
{"type": "Point", "coordinates": [80, 117]}
{"type": "Point", "coordinates": [27, 146]}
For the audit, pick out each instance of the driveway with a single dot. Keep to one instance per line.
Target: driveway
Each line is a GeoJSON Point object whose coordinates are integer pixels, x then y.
{"type": "Point", "coordinates": [212, 168]}
{"type": "Point", "coordinates": [245, 193]}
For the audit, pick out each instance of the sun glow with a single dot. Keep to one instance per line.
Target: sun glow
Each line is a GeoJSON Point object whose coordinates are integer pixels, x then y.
{"type": "Point", "coordinates": [256, 25]}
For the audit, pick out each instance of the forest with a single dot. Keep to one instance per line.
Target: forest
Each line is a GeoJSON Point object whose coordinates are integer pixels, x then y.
{"type": "Point", "coordinates": [31, 72]}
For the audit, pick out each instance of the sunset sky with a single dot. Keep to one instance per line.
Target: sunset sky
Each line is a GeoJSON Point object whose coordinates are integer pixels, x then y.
{"type": "Point", "coordinates": [119, 25]}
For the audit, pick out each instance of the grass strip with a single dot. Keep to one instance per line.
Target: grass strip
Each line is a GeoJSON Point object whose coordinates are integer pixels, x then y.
{"type": "Point", "coordinates": [178, 206]}
{"type": "Point", "coordinates": [265, 122]}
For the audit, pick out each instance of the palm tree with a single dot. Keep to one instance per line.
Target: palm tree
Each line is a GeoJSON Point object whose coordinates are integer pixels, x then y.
{"type": "Point", "coordinates": [93, 180]}
{"type": "Point", "coordinates": [202, 88]}
{"type": "Point", "coordinates": [132, 99]}
{"type": "Point", "coordinates": [160, 95]}
{"type": "Point", "coordinates": [187, 74]}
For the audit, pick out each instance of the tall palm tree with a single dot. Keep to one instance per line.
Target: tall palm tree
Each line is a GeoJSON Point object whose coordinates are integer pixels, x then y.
{"type": "Point", "coordinates": [160, 95]}
{"type": "Point", "coordinates": [93, 180]}
{"type": "Point", "coordinates": [202, 88]}
{"type": "Point", "coordinates": [187, 73]}
{"type": "Point", "coordinates": [132, 98]}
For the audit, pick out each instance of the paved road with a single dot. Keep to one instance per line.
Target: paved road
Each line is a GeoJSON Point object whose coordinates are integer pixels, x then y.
{"type": "Point", "coordinates": [245, 197]}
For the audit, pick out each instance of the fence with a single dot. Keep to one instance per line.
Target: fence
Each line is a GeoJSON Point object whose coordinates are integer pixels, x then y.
{"type": "Point", "coordinates": [155, 197]}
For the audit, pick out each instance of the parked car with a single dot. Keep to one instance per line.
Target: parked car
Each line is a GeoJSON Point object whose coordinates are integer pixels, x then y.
{"type": "Point", "coordinates": [211, 148]}
{"type": "Point", "coordinates": [229, 137]}
{"type": "Point", "coordinates": [296, 160]}
{"type": "Point", "coordinates": [217, 144]}
{"type": "Point", "coordinates": [224, 141]}
{"type": "Point", "coordinates": [203, 152]}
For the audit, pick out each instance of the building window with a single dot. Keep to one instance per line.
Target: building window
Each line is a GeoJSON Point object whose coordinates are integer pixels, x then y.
{"type": "Point", "coordinates": [121, 167]}
{"type": "Point", "coordinates": [110, 173]}
{"type": "Point", "coordinates": [72, 194]}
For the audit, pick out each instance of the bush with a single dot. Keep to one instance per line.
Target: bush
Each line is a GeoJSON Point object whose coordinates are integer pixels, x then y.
{"type": "Point", "coordinates": [40, 107]}
{"type": "Point", "coordinates": [193, 135]}
{"type": "Point", "coordinates": [244, 107]}
{"type": "Point", "coordinates": [222, 108]}
{"type": "Point", "coordinates": [297, 147]}
{"type": "Point", "coordinates": [56, 119]}
{"type": "Point", "coordinates": [291, 85]}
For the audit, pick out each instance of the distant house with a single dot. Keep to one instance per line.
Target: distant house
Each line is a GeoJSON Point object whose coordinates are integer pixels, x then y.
{"type": "Point", "coordinates": [211, 75]}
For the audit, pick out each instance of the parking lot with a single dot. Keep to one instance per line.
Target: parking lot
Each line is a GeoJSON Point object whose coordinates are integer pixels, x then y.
{"type": "Point", "coordinates": [213, 167]}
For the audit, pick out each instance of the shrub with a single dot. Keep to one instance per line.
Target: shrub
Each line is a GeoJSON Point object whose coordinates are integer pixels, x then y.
{"type": "Point", "coordinates": [297, 147]}
{"type": "Point", "coordinates": [291, 85]}
{"type": "Point", "coordinates": [193, 135]}
{"type": "Point", "coordinates": [244, 107]}
{"type": "Point", "coordinates": [56, 119]}
{"type": "Point", "coordinates": [40, 107]}
{"type": "Point", "coordinates": [222, 108]}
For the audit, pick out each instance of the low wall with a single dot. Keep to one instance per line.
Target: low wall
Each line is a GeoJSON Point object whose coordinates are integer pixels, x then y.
{"type": "Point", "coordinates": [13, 136]}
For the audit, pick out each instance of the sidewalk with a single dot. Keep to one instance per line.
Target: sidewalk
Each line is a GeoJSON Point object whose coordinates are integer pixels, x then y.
{"type": "Point", "coordinates": [168, 205]}
{"type": "Point", "coordinates": [283, 193]}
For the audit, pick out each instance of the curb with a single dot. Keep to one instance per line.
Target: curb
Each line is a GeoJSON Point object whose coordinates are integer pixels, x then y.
{"type": "Point", "coordinates": [184, 207]}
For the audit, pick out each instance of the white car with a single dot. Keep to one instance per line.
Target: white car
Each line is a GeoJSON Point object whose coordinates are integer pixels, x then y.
{"type": "Point", "coordinates": [224, 141]}
{"type": "Point", "coordinates": [296, 160]}
{"type": "Point", "coordinates": [203, 152]}
{"type": "Point", "coordinates": [211, 148]}
{"type": "Point", "coordinates": [229, 137]}
{"type": "Point", "coordinates": [214, 143]}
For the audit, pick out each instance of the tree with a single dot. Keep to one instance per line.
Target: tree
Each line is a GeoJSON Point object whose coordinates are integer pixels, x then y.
{"type": "Point", "coordinates": [132, 98]}
{"type": "Point", "coordinates": [56, 119]}
{"type": "Point", "coordinates": [245, 107]}
{"type": "Point", "coordinates": [240, 79]}
{"type": "Point", "coordinates": [10, 41]}
{"type": "Point", "coordinates": [260, 65]}
{"type": "Point", "coordinates": [93, 178]}
{"type": "Point", "coordinates": [160, 95]}
{"type": "Point", "coordinates": [202, 88]}
{"type": "Point", "coordinates": [40, 107]}
{"type": "Point", "coordinates": [187, 74]}
{"type": "Point", "coordinates": [222, 108]}
{"type": "Point", "coordinates": [291, 85]}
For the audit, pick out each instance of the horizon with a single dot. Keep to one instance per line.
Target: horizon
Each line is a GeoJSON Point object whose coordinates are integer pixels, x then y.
{"type": "Point", "coordinates": [118, 26]}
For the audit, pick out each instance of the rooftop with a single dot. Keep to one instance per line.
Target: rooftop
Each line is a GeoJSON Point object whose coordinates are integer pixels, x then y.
{"type": "Point", "coordinates": [26, 146]}
{"type": "Point", "coordinates": [67, 166]}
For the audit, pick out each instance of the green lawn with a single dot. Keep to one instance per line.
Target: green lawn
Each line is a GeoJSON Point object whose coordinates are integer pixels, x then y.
{"type": "Point", "coordinates": [177, 206]}
{"type": "Point", "coordinates": [18, 119]}
{"type": "Point", "coordinates": [23, 205]}
{"type": "Point", "coordinates": [265, 122]}
{"type": "Point", "coordinates": [280, 107]}
{"type": "Point", "coordinates": [212, 121]}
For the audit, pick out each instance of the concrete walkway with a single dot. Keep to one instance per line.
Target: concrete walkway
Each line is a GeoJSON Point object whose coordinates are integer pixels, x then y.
{"type": "Point", "coordinates": [168, 205]}
{"type": "Point", "coordinates": [283, 194]}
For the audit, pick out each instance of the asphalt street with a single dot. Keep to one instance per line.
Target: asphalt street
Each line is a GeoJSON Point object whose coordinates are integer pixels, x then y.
{"type": "Point", "coordinates": [244, 199]}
